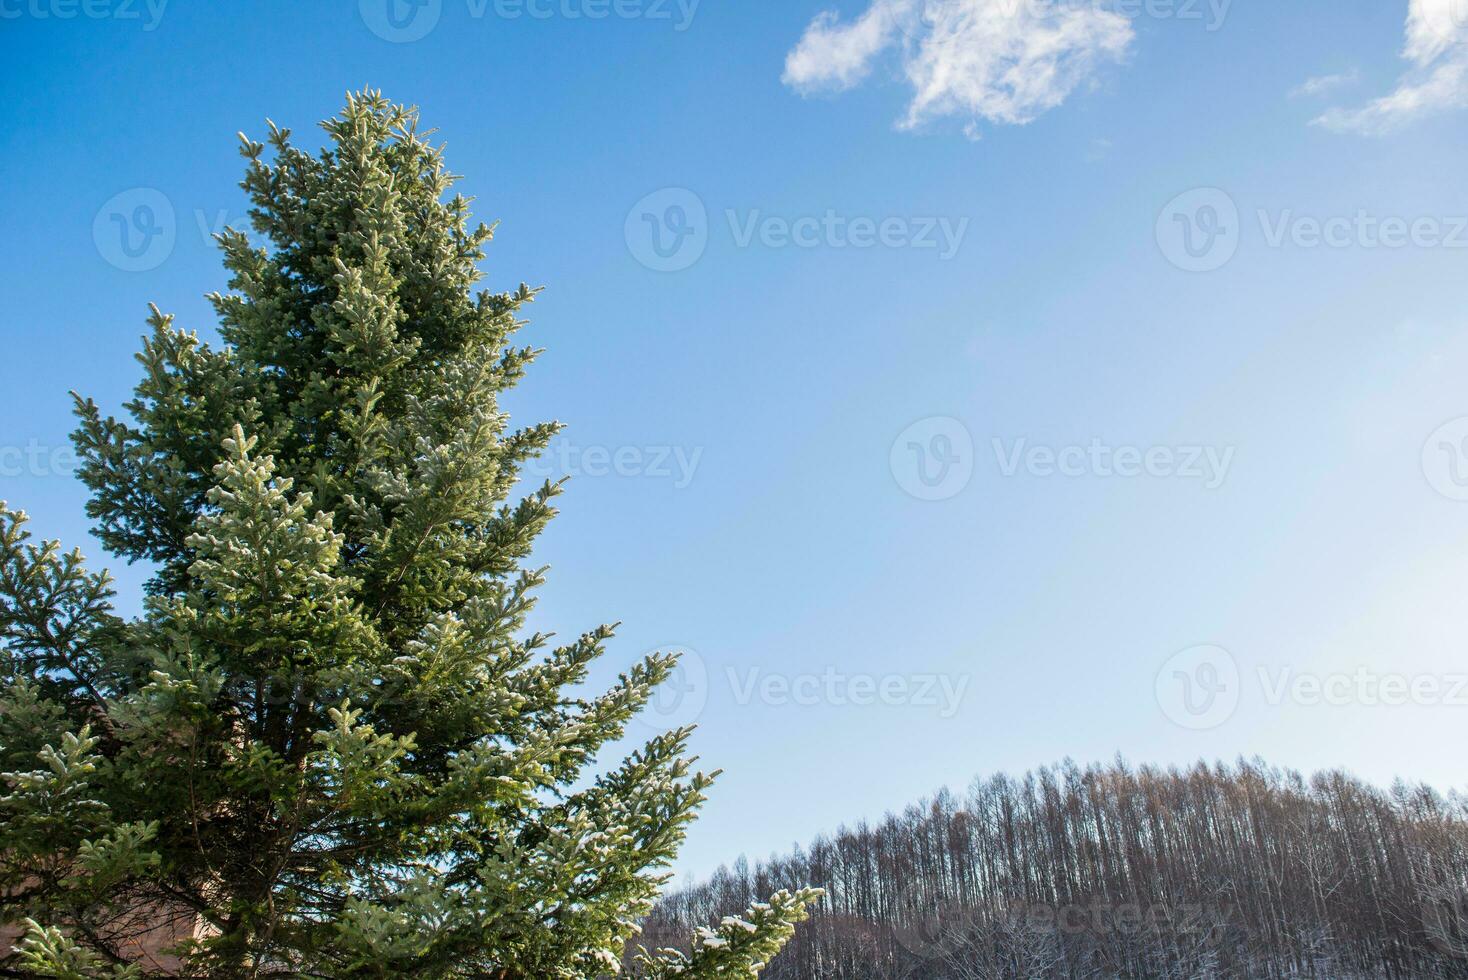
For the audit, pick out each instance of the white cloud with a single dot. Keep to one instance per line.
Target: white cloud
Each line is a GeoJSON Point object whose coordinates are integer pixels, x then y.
{"type": "Point", "coordinates": [1437, 47]}
{"type": "Point", "coordinates": [1324, 84]}
{"type": "Point", "coordinates": [836, 56]}
{"type": "Point", "coordinates": [999, 61]}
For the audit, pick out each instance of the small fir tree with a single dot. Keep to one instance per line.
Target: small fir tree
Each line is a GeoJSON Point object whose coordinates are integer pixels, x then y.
{"type": "Point", "coordinates": [328, 746]}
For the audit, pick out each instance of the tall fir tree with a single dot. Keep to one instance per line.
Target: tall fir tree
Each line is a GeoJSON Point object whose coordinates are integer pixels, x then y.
{"type": "Point", "coordinates": [328, 746]}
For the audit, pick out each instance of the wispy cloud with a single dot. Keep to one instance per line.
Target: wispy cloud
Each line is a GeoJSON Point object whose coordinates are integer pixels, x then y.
{"type": "Point", "coordinates": [1325, 84]}
{"type": "Point", "coordinates": [1437, 47]}
{"type": "Point", "coordinates": [998, 61]}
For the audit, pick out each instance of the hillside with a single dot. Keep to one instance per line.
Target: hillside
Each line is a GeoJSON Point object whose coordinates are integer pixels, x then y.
{"type": "Point", "coordinates": [1109, 871]}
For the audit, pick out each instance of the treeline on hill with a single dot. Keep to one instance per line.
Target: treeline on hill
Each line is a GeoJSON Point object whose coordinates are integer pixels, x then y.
{"type": "Point", "coordinates": [1109, 872]}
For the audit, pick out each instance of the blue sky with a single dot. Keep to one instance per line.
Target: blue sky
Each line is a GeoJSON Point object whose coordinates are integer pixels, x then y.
{"type": "Point", "coordinates": [860, 314]}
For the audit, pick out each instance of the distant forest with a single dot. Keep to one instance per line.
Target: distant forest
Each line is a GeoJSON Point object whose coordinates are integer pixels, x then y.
{"type": "Point", "coordinates": [1241, 871]}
